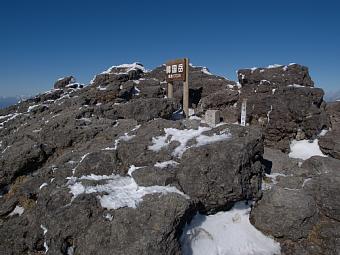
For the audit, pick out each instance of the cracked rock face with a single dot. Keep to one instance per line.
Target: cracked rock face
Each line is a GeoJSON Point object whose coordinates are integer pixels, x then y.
{"type": "Point", "coordinates": [104, 168]}
{"type": "Point", "coordinates": [106, 165]}
{"type": "Point", "coordinates": [302, 209]}
{"type": "Point", "coordinates": [330, 142]}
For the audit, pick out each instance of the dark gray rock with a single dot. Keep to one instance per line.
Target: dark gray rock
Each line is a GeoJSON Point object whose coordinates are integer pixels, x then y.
{"type": "Point", "coordinates": [285, 113]}
{"type": "Point", "coordinates": [279, 75]}
{"type": "Point", "coordinates": [302, 209]}
{"type": "Point", "coordinates": [63, 82]}
{"type": "Point", "coordinates": [279, 162]}
{"type": "Point", "coordinates": [283, 213]}
{"type": "Point", "coordinates": [330, 143]}
{"type": "Point", "coordinates": [147, 109]}
{"type": "Point", "coordinates": [218, 181]}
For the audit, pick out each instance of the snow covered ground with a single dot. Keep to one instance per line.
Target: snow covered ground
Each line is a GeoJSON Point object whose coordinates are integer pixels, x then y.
{"type": "Point", "coordinates": [226, 233]}
{"type": "Point", "coordinates": [305, 149]}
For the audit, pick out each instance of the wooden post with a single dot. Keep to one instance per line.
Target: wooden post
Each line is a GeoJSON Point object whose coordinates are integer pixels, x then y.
{"type": "Point", "coordinates": [186, 90]}
{"type": "Point", "coordinates": [170, 90]}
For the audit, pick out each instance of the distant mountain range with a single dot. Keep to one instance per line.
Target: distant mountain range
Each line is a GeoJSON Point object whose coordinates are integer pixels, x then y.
{"type": "Point", "coordinates": [7, 101]}
{"type": "Point", "coordinates": [332, 96]}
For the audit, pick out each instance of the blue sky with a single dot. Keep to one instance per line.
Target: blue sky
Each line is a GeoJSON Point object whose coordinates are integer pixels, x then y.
{"type": "Point", "coordinates": [43, 40]}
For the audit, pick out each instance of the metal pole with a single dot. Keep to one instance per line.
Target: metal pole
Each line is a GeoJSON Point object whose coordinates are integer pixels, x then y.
{"type": "Point", "coordinates": [186, 89]}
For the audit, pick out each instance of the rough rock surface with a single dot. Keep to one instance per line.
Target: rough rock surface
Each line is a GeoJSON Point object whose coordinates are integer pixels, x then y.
{"type": "Point", "coordinates": [107, 165]}
{"type": "Point", "coordinates": [63, 82]}
{"type": "Point", "coordinates": [276, 75]}
{"type": "Point", "coordinates": [281, 100]}
{"type": "Point", "coordinates": [330, 142]}
{"type": "Point", "coordinates": [284, 103]}
{"type": "Point", "coordinates": [104, 168]}
{"type": "Point", "coordinates": [301, 209]}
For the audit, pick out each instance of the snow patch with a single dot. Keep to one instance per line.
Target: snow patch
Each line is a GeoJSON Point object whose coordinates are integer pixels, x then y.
{"type": "Point", "coordinates": [266, 185]}
{"type": "Point", "coordinates": [128, 67]}
{"type": "Point", "coordinates": [43, 185]}
{"type": "Point", "coordinates": [45, 243]}
{"type": "Point", "coordinates": [183, 137]}
{"type": "Point", "coordinates": [18, 210]}
{"type": "Point", "coordinates": [165, 164]}
{"type": "Point", "coordinates": [274, 66]}
{"type": "Point", "coordinates": [268, 114]}
{"type": "Point", "coordinates": [206, 71]}
{"type": "Point", "coordinates": [296, 86]}
{"type": "Point", "coordinates": [119, 191]}
{"type": "Point", "coordinates": [323, 132]}
{"type": "Point", "coordinates": [81, 160]}
{"type": "Point", "coordinates": [226, 233]}
{"type": "Point", "coordinates": [305, 149]}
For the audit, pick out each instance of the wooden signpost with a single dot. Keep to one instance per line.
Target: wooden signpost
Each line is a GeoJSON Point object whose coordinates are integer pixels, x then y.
{"type": "Point", "coordinates": [178, 70]}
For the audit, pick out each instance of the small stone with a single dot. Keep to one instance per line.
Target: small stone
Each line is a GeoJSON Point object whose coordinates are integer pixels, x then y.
{"type": "Point", "coordinates": [212, 117]}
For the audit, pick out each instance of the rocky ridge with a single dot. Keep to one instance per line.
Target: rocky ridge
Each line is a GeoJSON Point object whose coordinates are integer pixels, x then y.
{"type": "Point", "coordinates": [109, 158]}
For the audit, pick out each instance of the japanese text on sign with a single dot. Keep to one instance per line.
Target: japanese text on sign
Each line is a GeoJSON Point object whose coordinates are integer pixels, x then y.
{"type": "Point", "coordinates": [175, 70]}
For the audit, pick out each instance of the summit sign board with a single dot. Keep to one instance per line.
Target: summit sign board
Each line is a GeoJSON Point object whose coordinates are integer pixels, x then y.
{"type": "Point", "coordinates": [176, 70]}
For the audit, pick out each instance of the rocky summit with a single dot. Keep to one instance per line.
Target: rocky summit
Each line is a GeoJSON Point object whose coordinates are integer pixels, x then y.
{"type": "Point", "coordinates": [113, 167]}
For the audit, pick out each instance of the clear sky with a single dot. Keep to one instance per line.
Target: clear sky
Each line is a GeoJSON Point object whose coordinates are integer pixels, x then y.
{"type": "Point", "coordinates": [43, 40]}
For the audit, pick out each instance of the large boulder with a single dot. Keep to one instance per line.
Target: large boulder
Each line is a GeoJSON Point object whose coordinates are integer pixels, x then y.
{"type": "Point", "coordinates": [63, 82]}
{"type": "Point", "coordinates": [302, 209]}
{"type": "Point", "coordinates": [218, 181]}
{"type": "Point", "coordinates": [330, 142]}
{"type": "Point", "coordinates": [277, 75]}
{"type": "Point", "coordinates": [118, 74]}
{"type": "Point", "coordinates": [283, 101]}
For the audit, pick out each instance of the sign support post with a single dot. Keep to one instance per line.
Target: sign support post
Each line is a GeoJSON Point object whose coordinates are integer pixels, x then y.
{"type": "Point", "coordinates": [170, 90]}
{"type": "Point", "coordinates": [186, 89]}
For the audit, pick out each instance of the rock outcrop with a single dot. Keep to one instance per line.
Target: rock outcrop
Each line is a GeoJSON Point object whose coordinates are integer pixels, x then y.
{"type": "Point", "coordinates": [105, 168]}
{"type": "Point", "coordinates": [300, 208]}
{"type": "Point", "coordinates": [64, 82]}
{"type": "Point", "coordinates": [330, 142]}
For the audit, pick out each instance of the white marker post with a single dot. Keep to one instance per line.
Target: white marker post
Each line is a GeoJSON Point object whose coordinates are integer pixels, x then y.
{"type": "Point", "coordinates": [244, 113]}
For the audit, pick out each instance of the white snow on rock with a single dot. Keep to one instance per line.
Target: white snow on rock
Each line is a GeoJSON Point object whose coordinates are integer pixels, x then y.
{"type": "Point", "coordinates": [323, 132]}
{"type": "Point", "coordinates": [8, 118]}
{"type": "Point", "coordinates": [296, 86]}
{"type": "Point", "coordinates": [133, 168]}
{"type": "Point", "coordinates": [268, 185]}
{"type": "Point", "coordinates": [45, 243]}
{"type": "Point", "coordinates": [18, 210]}
{"type": "Point", "coordinates": [206, 71]}
{"type": "Point", "coordinates": [119, 191]}
{"type": "Point", "coordinates": [184, 136]}
{"type": "Point", "coordinates": [305, 149]}
{"type": "Point", "coordinates": [43, 185]}
{"type": "Point", "coordinates": [101, 88]}
{"type": "Point", "coordinates": [274, 66]}
{"type": "Point", "coordinates": [166, 164]}
{"type": "Point", "coordinates": [126, 137]}
{"type": "Point", "coordinates": [128, 67]}
{"type": "Point", "coordinates": [252, 70]}
{"type": "Point", "coordinates": [81, 160]}
{"type": "Point", "coordinates": [226, 233]}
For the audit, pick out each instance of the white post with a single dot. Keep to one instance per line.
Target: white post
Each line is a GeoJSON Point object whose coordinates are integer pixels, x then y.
{"type": "Point", "coordinates": [244, 112]}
